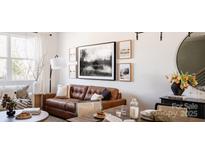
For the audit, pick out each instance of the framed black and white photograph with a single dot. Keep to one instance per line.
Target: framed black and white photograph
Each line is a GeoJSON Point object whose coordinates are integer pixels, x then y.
{"type": "Point", "coordinates": [125, 72]}
{"type": "Point", "coordinates": [125, 49]}
{"type": "Point", "coordinates": [97, 61]}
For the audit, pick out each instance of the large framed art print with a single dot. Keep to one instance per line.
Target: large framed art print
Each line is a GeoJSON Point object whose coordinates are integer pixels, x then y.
{"type": "Point", "coordinates": [97, 61]}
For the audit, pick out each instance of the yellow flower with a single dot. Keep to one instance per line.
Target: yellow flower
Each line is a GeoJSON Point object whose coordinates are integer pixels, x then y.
{"type": "Point", "coordinates": [186, 78]}
{"type": "Point", "coordinates": [181, 86]}
{"type": "Point", "coordinates": [186, 85]}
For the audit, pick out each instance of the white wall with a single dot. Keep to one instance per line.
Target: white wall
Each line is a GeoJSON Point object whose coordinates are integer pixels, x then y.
{"type": "Point", "coordinates": [153, 59]}
{"type": "Point", "coordinates": [50, 47]}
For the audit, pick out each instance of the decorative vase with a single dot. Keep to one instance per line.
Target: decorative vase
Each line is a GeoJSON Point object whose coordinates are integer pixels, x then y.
{"type": "Point", "coordinates": [134, 109]}
{"type": "Point", "coordinates": [176, 89]}
{"type": "Point", "coordinates": [10, 113]}
{"type": "Point", "coordinates": [36, 86]}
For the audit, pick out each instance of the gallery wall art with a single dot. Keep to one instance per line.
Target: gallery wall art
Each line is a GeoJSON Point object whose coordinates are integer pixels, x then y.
{"type": "Point", "coordinates": [125, 49]}
{"type": "Point", "coordinates": [97, 61]}
{"type": "Point", "coordinates": [125, 72]}
{"type": "Point", "coordinates": [125, 69]}
{"type": "Point", "coordinates": [72, 59]}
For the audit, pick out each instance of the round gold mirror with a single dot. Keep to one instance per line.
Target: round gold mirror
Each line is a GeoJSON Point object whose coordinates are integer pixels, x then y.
{"type": "Point", "coordinates": [191, 57]}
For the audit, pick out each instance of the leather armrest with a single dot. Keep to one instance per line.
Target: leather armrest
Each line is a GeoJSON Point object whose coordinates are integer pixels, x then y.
{"type": "Point", "coordinates": [48, 95]}
{"type": "Point", "coordinates": [113, 103]}
{"type": "Point", "coordinates": [120, 96]}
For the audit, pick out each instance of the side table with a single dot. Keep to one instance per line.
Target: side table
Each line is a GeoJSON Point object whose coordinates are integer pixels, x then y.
{"type": "Point", "coordinates": [38, 99]}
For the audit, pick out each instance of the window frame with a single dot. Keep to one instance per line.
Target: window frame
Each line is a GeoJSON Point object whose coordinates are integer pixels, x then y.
{"type": "Point", "coordinates": [9, 60]}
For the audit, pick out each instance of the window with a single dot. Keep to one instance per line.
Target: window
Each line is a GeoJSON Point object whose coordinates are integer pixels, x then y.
{"type": "Point", "coordinates": [3, 56]}
{"type": "Point", "coordinates": [17, 57]}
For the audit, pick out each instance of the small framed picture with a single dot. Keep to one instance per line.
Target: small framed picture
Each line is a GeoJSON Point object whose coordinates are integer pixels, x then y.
{"type": "Point", "coordinates": [125, 72]}
{"type": "Point", "coordinates": [72, 54]}
{"type": "Point", "coordinates": [73, 72]}
{"type": "Point", "coordinates": [125, 49]}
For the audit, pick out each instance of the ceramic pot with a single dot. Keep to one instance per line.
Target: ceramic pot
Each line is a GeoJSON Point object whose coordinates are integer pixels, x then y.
{"type": "Point", "coordinates": [36, 87]}
{"type": "Point", "coordinates": [11, 113]}
{"type": "Point", "coordinates": [176, 89]}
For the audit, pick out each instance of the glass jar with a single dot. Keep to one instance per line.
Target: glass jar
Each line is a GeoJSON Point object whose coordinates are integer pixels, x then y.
{"type": "Point", "coordinates": [134, 109]}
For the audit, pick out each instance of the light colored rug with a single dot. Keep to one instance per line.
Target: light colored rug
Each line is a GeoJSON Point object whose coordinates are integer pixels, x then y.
{"type": "Point", "coordinates": [54, 119]}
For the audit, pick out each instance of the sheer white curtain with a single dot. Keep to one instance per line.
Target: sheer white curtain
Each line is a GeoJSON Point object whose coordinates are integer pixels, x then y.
{"type": "Point", "coordinates": [39, 71]}
{"type": "Point", "coordinates": [26, 59]}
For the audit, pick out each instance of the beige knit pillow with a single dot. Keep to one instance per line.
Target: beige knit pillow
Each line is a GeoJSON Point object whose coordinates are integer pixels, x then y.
{"type": "Point", "coordinates": [22, 92]}
{"type": "Point", "coordinates": [68, 93]}
{"type": "Point", "coordinates": [62, 92]}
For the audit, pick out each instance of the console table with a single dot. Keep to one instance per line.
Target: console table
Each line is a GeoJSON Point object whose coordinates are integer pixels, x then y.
{"type": "Point", "coordinates": [195, 107]}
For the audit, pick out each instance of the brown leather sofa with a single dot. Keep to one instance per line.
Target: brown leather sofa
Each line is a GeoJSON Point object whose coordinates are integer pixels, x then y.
{"type": "Point", "coordinates": [66, 108]}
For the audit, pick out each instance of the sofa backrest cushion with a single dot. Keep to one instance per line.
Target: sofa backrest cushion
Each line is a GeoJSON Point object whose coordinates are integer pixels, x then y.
{"type": "Point", "coordinates": [92, 90]}
{"type": "Point", "coordinates": [78, 91]}
{"type": "Point", "coordinates": [98, 90]}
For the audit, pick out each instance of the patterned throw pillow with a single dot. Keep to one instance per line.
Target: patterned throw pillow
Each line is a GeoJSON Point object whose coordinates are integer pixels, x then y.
{"type": "Point", "coordinates": [23, 103]}
{"type": "Point", "coordinates": [22, 92]}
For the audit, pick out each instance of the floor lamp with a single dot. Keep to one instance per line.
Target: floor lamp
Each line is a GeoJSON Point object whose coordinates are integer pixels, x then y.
{"type": "Point", "coordinates": [56, 63]}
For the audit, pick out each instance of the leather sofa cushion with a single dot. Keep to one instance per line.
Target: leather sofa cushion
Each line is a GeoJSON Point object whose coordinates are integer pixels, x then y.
{"type": "Point", "coordinates": [63, 104]}
{"type": "Point", "coordinates": [78, 91]}
{"type": "Point", "coordinates": [92, 90]}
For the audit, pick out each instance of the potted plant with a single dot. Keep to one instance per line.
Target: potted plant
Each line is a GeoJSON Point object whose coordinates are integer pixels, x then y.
{"type": "Point", "coordinates": [180, 82]}
{"type": "Point", "coordinates": [9, 105]}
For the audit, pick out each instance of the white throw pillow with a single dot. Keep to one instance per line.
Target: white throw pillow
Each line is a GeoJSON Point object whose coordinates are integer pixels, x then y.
{"type": "Point", "coordinates": [96, 97]}
{"type": "Point", "coordinates": [68, 94]}
{"type": "Point", "coordinates": [62, 91]}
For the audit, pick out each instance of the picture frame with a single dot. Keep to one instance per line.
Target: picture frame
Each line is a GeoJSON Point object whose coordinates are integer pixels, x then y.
{"type": "Point", "coordinates": [97, 61]}
{"type": "Point", "coordinates": [72, 68]}
{"type": "Point", "coordinates": [125, 72]}
{"type": "Point", "coordinates": [125, 49]}
{"type": "Point", "coordinates": [72, 72]}
{"type": "Point", "coordinates": [72, 55]}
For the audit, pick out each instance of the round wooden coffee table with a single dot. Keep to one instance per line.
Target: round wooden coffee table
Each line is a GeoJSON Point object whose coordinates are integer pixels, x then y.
{"type": "Point", "coordinates": [35, 118]}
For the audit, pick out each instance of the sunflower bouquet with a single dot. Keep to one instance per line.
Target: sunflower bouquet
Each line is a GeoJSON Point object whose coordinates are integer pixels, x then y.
{"type": "Point", "coordinates": [183, 80]}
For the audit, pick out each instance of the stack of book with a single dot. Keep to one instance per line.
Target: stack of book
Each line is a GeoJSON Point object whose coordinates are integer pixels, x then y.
{"type": "Point", "coordinates": [33, 111]}
{"type": "Point", "coordinates": [147, 115]}
{"type": "Point", "coordinates": [177, 97]}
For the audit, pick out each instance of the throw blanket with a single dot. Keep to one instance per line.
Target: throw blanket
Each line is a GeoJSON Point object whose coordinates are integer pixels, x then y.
{"type": "Point", "coordinates": [89, 107]}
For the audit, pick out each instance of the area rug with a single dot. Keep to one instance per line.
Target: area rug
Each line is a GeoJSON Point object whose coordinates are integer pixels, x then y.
{"type": "Point", "coordinates": [54, 119]}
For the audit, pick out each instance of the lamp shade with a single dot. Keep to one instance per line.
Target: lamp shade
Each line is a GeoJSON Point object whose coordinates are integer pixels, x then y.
{"type": "Point", "coordinates": [58, 63]}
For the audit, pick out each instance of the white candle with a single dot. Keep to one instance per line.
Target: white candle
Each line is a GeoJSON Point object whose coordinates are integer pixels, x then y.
{"type": "Point", "coordinates": [118, 113]}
